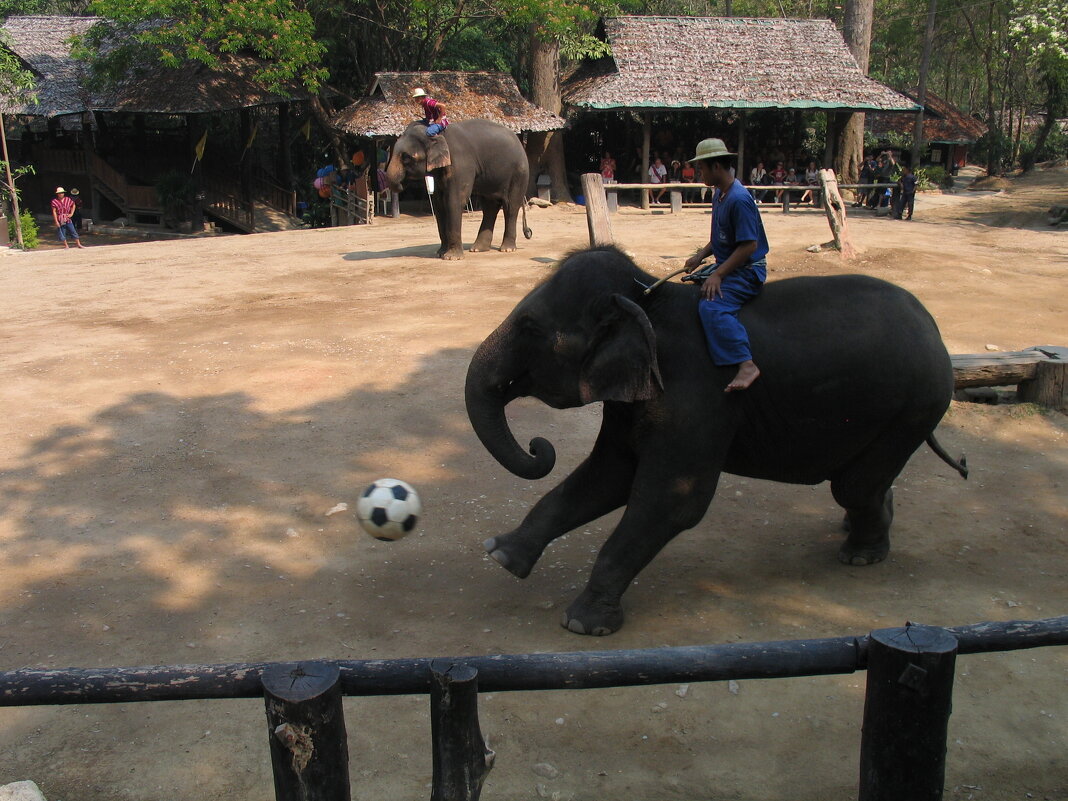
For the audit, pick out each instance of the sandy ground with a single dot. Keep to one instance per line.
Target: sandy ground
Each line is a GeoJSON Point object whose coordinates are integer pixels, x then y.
{"type": "Point", "coordinates": [176, 418]}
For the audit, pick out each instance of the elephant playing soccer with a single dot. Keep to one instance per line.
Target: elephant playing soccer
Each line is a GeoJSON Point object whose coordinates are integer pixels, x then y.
{"type": "Point", "coordinates": [854, 379]}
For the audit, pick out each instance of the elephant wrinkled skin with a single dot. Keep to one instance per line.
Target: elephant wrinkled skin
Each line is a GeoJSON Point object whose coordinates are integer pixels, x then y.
{"type": "Point", "coordinates": [854, 378]}
{"type": "Point", "coordinates": [486, 160]}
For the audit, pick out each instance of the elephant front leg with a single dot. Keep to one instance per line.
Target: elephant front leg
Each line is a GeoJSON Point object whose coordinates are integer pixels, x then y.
{"type": "Point", "coordinates": [655, 515]}
{"type": "Point", "coordinates": [484, 240]}
{"type": "Point", "coordinates": [452, 243]}
{"type": "Point", "coordinates": [598, 486]}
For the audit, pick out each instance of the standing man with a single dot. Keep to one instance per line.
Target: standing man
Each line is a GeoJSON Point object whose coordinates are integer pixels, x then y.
{"type": "Point", "coordinates": [739, 246]}
{"type": "Point", "coordinates": [433, 112]}
{"type": "Point", "coordinates": [62, 211]}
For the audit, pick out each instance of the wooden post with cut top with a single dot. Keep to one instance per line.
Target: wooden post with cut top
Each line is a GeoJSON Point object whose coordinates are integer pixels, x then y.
{"type": "Point", "coordinates": [462, 760]}
{"type": "Point", "coordinates": [907, 704]}
{"type": "Point", "coordinates": [597, 210]}
{"type": "Point", "coordinates": [306, 728]}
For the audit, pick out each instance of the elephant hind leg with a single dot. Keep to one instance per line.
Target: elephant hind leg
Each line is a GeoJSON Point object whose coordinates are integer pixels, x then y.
{"type": "Point", "coordinates": [484, 240]}
{"type": "Point", "coordinates": [863, 489]}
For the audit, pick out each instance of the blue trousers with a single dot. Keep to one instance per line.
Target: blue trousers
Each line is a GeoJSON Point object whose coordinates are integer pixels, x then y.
{"type": "Point", "coordinates": [67, 229]}
{"type": "Point", "coordinates": [728, 342]}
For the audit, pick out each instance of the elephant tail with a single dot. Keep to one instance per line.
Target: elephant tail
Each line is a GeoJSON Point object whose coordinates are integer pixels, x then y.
{"type": "Point", "coordinates": [961, 466]}
{"type": "Point", "coordinates": [526, 228]}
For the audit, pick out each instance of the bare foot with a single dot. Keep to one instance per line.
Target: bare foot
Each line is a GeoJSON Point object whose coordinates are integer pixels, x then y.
{"type": "Point", "coordinates": [748, 372]}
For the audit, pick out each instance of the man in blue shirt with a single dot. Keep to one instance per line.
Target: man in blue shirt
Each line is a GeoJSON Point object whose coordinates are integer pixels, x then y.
{"type": "Point", "coordinates": [739, 246]}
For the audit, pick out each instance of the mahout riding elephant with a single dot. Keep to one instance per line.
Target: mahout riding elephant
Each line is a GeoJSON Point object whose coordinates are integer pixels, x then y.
{"type": "Point", "coordinates": [854, 377]}
{"type": "Point", "coordinates": [483, 159]}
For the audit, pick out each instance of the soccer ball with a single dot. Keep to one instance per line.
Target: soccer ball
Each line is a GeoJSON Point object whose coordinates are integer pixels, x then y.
{"type": "Point", "coordinates": [389, 509]}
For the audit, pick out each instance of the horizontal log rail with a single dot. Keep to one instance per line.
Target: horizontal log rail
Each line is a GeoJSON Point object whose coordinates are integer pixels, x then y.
{"type": "Point", "coordinates": [758, 187]}
{"type": "Point", "coordinates": [511, 672]}
{"type": "Point", "coordinates": [1040, 374]}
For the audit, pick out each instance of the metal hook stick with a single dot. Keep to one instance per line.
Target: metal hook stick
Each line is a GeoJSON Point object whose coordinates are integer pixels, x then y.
{"type": "Point", "coordinates": [667, 277]}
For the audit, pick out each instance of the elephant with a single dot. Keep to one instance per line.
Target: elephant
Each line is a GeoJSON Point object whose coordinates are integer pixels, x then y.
{"type": "Point", "coordinates": [484, 159]}
{"type": "Point", "coordinates": [854, 377]}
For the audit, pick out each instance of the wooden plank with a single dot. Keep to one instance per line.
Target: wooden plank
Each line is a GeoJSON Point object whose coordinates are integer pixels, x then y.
{"type": "Point", "coordinates": [835, 208]}
{"type": "Point", "coordinates": [995, 369]}
{"type": "Point", "coordinates": [597, 210]}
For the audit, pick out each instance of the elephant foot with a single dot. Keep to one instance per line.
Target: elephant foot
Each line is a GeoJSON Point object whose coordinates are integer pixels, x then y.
{"type": "Point", "coordinates": [510, 556]}
{"type": "Point", "coordinates": [506, 248]}
{"type": "Point", "coordinates": [481, 246]}
{"type": "Point", "coordinates": [864, 555]}
{"type": "Point", "coordinates": [452, 254]}
{"type": "Point", "coordinates": [592, 615]}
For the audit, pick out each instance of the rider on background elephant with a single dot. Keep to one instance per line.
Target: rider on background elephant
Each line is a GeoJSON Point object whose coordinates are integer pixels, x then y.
{"type": "Point", "coordinates": [855, 378]}
{"type": "Point", "coordinates": [468, 158]}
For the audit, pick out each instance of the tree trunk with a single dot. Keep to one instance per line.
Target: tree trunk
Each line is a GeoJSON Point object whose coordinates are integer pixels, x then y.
{"type": "Point", "coordinates": [857, 33]}
{"type": "Point", "coordinates": [1056, 102]}
{"type": "Point", "coordinates": [925, 60]}
{"type": "Point", "coordinates": [545, 91]}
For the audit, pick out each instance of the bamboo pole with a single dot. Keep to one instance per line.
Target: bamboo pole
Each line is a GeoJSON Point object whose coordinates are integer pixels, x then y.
{"type": "Point", "coordinates": [11, 185]}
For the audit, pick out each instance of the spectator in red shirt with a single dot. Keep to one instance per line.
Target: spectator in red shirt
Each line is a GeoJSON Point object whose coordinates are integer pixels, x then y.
{"type": "Point", "coordinates": [433, 112]}
{"type": "Point", "coordinates": [62, 211]}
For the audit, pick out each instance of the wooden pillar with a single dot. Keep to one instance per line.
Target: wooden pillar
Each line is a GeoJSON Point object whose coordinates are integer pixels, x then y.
{"type": "Point", "coordinates": [285, 155]}
{"type": "Point", "coordinates": [676, 201]}
{"type": "Point", "coordinates": [245, 168]}
{"type": "Point", "coordinates": [306, 728]}
{"type": "Point", "coordinates": [832, 134]}
{"type": "Point", "coordinates": [461, 757]}
{"type": "Point", "coordinates": [597, 209]}
{"type": "Point", "coordinates": [647, 138]}
{"type": "Point", "coordinates": [906, 714]}
{"type": "Point", "coordinates": [741, 145]}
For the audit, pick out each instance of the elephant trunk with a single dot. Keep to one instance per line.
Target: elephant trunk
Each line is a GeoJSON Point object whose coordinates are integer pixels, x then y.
{"type": "Point", "coordinates": [488, 391]}
{"type": "Point", "coordinates": [395, 173]}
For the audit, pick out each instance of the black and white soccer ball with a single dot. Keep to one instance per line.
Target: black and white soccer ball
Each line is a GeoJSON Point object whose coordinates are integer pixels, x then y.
{"type": "Point", "coordinates": [389, 509]}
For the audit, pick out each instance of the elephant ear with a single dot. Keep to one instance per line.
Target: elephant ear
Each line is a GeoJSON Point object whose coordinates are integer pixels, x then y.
{"type": "Point", "coordinates": [437, 153]}
{"type": "Point", "coordinates": [621, 362]}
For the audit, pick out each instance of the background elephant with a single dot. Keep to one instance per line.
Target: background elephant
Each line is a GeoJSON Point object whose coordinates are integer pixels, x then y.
{"type": "Point", "coordinates": [487, 161]}
{"type": "Point", "coordinates": [854, 377]}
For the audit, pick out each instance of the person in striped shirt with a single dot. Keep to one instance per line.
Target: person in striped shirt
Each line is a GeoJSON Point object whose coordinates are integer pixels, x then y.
{"type": "Point", "coordinates": [62, 211]}
{"type": "Point", "coordinates": [433, 112]}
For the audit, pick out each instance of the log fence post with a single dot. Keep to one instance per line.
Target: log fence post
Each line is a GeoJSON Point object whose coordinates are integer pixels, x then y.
{"type": "Point", "coordinates": [596, 210]}
{"type": "Point", "coordinates": [906, 713]}
{"type": "Point", "coordinates": [306, 729]}
{"type": "Point", "coordinates": [462, 759]}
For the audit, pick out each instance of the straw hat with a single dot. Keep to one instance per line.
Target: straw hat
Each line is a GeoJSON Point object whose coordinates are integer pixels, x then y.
{"type": "Point", "coordinates": [418, 92]}
{"type": "Point", "coordinates": [74, 192]}
{"type": "Point", "coordinates": [710, 149]}
{"type": "Point", "coordinates": [60, 190]}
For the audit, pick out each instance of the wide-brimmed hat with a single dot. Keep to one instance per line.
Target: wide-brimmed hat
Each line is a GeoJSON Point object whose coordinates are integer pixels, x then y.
{"type": "Point", "coordinates": [710, 149]}
{"type": "Point", "coordinates": [419, 92]}
{"type": "Point", "coordinates": [74, 192]}
{"type": "Point", "coordinates": [60, 190]}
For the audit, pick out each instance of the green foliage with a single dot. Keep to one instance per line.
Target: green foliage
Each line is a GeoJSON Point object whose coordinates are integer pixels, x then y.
{"type": "Point", "coordinates": [177, 194]}
{"type": "Point", "coordinates": [931, 177]}
{"type": "Point", "coordinates": [169, 32]}
{"type": "Point", "coordinates": [30, 232]}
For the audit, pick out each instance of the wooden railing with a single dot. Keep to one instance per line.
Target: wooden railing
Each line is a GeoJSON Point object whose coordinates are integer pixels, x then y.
{"type": "Point", "coordinates": [131, 197]}
{"type": "Point", "coordinates": [903, 735]}
{"type": "Point", "coordinates": [275, 196]}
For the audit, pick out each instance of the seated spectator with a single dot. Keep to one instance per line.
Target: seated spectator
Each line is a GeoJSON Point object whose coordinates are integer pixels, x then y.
{"type": "Point", "coordinates": [758, 176]}
{"type": "Point", "coordinates": [657, 175]}
{"type": "Point", "coordinates": [792, 179]}
{"type": "Point", "coordinates": [689, 176]}
{"type": "Point", "coordinates": [608, 168]}
{"type": "Point", "coordinates": [812, 178]}
{"type": "Point", "coordinates": [778, 178]}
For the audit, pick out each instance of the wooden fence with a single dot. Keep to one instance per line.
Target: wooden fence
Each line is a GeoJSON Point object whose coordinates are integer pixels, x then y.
{"type": "Point", "coordinates": [905, 718]}
{"type": "Point", "coordinates": [676, 190]}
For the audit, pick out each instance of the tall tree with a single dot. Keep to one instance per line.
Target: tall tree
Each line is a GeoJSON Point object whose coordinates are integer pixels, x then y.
{"type": "Point", "coordinates": [1040, 28]}
{"type": "Point", "coordinates": [857, 33]}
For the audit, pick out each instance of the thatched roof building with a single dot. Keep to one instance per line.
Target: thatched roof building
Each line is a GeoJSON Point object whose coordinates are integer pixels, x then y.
{"type": "Point", "coordinates": [727, 62]}
{"type": "Point", "coordinates": [388, 107]}
{"type": "Point", "coordinates": [943, 123]}
{"type": "Point", "coordinates": [43, 44]}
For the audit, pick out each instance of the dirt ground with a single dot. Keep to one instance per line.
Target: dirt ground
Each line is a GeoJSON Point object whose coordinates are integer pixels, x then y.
{"type": "Point", "coordinates": [177, 418]}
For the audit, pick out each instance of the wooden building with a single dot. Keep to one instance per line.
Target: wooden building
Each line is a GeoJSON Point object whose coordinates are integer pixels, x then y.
{"type": "Point", "coordinates": [736, 63]}
{"type": "Point", "coordinates": [389, 108]}
{"type": "Point", "coordinates": [114, 143]}
{"type": "Point", "coordinates": [947, 131]}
